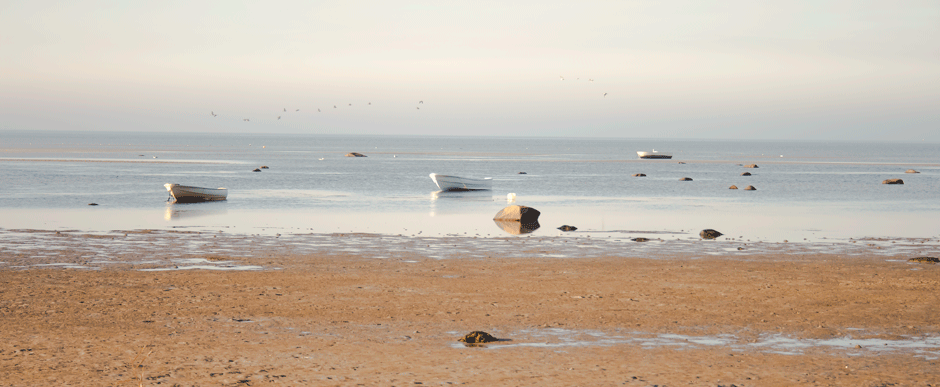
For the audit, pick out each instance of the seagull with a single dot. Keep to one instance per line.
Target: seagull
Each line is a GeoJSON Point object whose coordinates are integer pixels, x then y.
{"type": "Point", "coordinates": [278, 117]}
{"type": "Point", "coordinates": [285, 109]}
{"type": "Point", "coordinates": [334, 106]}
{"type": "Point", "coordinates": [297, 110]}
{"type": "Point", "coordinates": [370, 103]}
{"type": "Point", "coordinates": [417, 108]}
{"type": "Point", "coordinates": [245, 119]}
{"type": "Point", "coordinates": [421, 102]}
{"type": "Point", "coordinates": [318, 110]}
{"type": "Point", "coordinates": [213, 113]}
{"type": "Point", "coordinates": [350, 104]}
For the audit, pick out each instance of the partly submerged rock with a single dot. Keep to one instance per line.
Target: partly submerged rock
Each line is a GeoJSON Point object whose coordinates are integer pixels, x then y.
{"type": "Point", "coordinates": [911, 171]}
{"type": "Point", "coordinates": [893, 181]}
{"type": "Point", "coordinates": [639, 175]}
{"type": "Point", "coordinates": [681, 162]}
{"type": "Point", "coordinates": [567, 228]}
{"type": "Point", "coordinates": [640, 239]}
{"type": "Point", "coordinates": [746, 174]}
{"type": "Point", "coordinates": [256, 170]}
{"type": "Point", "coordinates": [92, 204]}
{"type": "Point", "coordinates": [477, 337]}
{"type": "Point", "coordinates": [751, 166]}
{"type": "Point", "coordinates": [516, 228]}
{"type": "Point", "coordinates": [750, 188]}
{"type": "Point", "coordinates": [709, 234]}
{"type": "Point", "coordinates": [925, 260]}
{"type": "Point", "coordinates": [733, 187]}
{"type": "Point", "coordinates": [264, 167]}
{"type": "Point", "coordinates": [355, 154]}
{"type": "Point", "coordinates": [523, 173]}
{"type": "Point", "coordinates": [520, 214]}
{"type": "Point", "coordinates": [686, 179]}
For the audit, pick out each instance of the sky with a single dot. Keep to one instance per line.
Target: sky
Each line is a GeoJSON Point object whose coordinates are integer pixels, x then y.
{"type": "Point", "coordinates": [788, 70]}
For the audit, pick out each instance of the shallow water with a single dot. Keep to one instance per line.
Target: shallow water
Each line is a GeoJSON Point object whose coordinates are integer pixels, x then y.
{"type": "Point", "coordinates": [815, 191]}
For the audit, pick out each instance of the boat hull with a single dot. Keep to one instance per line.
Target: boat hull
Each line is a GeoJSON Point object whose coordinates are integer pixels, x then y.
{"type": "Point", "coordinates": [653, 155]}
{"type": "Point", "coordinates": [457, 183]}
{"type": "Point", "coordinates": [190, 194]}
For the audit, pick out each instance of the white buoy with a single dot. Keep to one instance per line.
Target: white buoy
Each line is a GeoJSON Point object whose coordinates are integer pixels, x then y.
{"type": "Point", "coordinates": [511, 197]}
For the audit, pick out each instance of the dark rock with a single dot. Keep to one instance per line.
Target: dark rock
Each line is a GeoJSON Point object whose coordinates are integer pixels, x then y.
{"type": "Point", "coordinates": [893, 181]}
{"type": "Point", "coordinates": [567, 228]}
{"type": "Point", "coordinates": [520, 214]}
{"type": "Point", "coordinates": [681, 162]}
{"type": "Point", "coordinates": [640, 240]}
{"type": "Point", "coordinates": [523, 173]}
{"type": "Point", "coordinates": [264, 167]}
{"type": "Point", "coordinates": [709, 234]}
{"type": "Point", "coordinates": [750, 188]}
{"type": "Point", "coordinates": [751, 166]}
{"type": "Point", "coordinates": [746, 174]}
{"type": "Point", "coordinates": [477, 337]}
{"type": "Point", "coordinates": [925, 260]}
{"type": "Point", "coordinates": [686, 179]}
{"type": "Point", "coordinates": [92, 204]}
{"type": "Point", "coordinates": [733, 187]}
{"type": "Point", "coordinates": [354, 154]}
{"type": "Point", "coordinates": [911, 171]}
{"type": "Point", "coordinates": [639, 175]}
{"type": "Point", "coordinates": [256, 170]}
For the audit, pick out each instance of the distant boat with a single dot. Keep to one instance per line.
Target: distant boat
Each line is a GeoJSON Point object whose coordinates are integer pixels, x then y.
{"type": "Point", "coordinates": [189, 194]}
{"type": "Point", "coordinates": [457, 183]}
{"type": "Point", "coordinates": [653, 155]}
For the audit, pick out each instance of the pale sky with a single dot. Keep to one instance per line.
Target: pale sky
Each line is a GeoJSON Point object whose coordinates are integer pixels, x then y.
{"type": "Point", "coordinates": [801, 70]}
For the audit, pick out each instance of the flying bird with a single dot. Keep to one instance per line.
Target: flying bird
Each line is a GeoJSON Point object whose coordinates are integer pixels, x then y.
{"type": "Point", "coordinates": [605, 94]}
{"type": "Point", "coordinates": [278, 117]}
{"type": "Point", "coordinates": [421, 102]}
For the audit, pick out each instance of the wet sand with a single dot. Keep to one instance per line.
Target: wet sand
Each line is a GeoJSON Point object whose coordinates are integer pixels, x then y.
{"type": "Point", "coordinates": [315, 317]}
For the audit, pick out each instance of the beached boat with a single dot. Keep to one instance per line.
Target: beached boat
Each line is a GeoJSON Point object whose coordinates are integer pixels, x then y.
{"type": "Point", "coordinates": [457, 183]}
{"type": "Point", "coordinates": [190, 194]}
{"type": "Point", "coordinates": [653, 155]}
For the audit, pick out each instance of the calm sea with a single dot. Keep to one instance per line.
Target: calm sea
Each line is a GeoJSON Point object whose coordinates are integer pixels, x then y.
{"type": "Point", "coordinates": [804, 190]}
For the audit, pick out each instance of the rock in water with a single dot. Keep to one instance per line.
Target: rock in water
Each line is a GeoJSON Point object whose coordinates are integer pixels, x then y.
{"type": "Point", "coordinates": [709, 234]}
{"type": "Point", "coordinates": [521, 214]}
{"type": "Point", "coordinates": [264, 167]}
{"type": "Point", "coordinates": [733, 187]}
{"type": "Point", "coordinates": [893, 181]}
{"type": "Point", "coordinates": [751, 166]}
{"type": "Point", "coordinates": [355, 154]}
{"type": "Point", "coordinates": [686, 179]}
{"type": "Point", "coordinates": [256, 170]}
{"type": "Point", "coordinates": [522, 173]}
{"type": "Point", "coordinates": [640, 240]}
{"type": "Point", "coordinates": [925, 260]}
{"type": "Point", "coordinates": [92, 204]}
{"type": "Point", "coordinates": [567, 228]}
{"type": "Point", "coordinates": [639, 175]}
{"type": "Point", "coordinates": [750, 188]}
{"type": "Point", "coordinates": [746, 174]}
{"type": "Point", "coordinates": [477, 337]}
{"type": "Point", "coordinates": [911, 171]}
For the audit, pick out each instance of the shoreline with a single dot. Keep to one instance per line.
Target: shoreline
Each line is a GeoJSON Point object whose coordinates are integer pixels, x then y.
{"type": "Point", "coordinates": [373, 309]}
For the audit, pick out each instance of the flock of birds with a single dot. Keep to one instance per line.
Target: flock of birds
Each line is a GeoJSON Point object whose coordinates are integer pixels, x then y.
{"type": "Point", "coordinates": [370, 103]}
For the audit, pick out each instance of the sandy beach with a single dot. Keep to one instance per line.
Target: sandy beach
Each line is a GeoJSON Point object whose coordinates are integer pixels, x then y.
{"type": "Point", "coordinates": [768, 319]}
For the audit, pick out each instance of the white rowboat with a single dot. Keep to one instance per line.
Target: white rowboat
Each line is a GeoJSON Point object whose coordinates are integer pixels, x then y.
{"type": "Point", "coordinates": [653, 155]}
{"type": "Point", "coordinates": [190, 194]}
{"type": "Point", "coordinates": [457, 183]}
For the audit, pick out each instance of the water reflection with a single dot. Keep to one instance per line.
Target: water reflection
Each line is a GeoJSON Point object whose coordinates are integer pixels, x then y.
{"type": "Point", "coordinates": [454, 202]}
{"type": "Point", "coordinates": [179, 211]}
{"type": "Point", "coordinates": [515, 227]}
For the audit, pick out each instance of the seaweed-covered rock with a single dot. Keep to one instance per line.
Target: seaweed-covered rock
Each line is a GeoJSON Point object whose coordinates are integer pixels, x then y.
{"type": "Point", "coordinates": [751, 166]}
{"type": "Point", "coordinates": [750, 188]}
{"type": "Point", "coordinates": [477, 337]}
{"type": "Point", "coordinates": [639, 175]}
{"type": "Point", "coordinates": [567, 228]}
{"type": "Point", "coordinates": [709, 234]}
{"type": "Point", "coordinates": [256, 170]}
{"type": "Point", "coordinates": [355, 154]}
{"type": "Point", "coordinates": [520, 214]}
{"type": "Point", "coordinates": [264, 167]}
{"type": "Point", "coordinates": [686, 179]}
{"type": "Point", "coordinates": [911, 171]}
{"type": "Point", "coordinates": [640, 239]}
{"type": "Point", "coordinates": [746, 174]}
{"type": "Point", "coordinates": [893, 181]}
{"type": "Point", "coordinates": [733, 187]}
{"type": "Point", "coordinates": [925, 260]}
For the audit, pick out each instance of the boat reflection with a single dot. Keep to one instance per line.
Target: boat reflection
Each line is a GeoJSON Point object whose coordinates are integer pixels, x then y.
{"type": "Point", "coordinates": [457, 202]}
{"type": "Point", "coordinates": [180, 211]}
{"type": "Point", "coordinates": [515, 227]}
